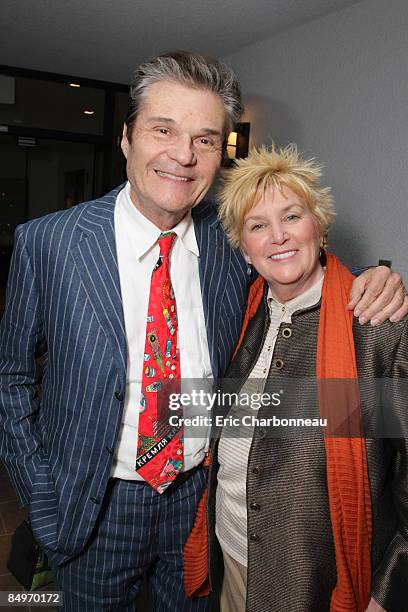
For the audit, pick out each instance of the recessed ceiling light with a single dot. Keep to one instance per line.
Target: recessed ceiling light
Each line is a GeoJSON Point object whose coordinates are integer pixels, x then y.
{"type": "Point", "coordinates": [89, 112]}
{"type": "Point", "coordinates": [74, 85]}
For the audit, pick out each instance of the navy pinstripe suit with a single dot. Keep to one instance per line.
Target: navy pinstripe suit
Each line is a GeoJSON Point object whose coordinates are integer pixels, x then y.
{"type": "Point", "coordinates": [60, 422]}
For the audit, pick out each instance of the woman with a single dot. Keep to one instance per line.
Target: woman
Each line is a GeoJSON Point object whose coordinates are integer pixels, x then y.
{"type": "Point", "coordinates": [313, 521]}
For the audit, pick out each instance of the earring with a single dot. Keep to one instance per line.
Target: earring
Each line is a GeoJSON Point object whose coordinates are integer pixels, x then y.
{"type": "Point", "coordinates": [249, 270]}
{"type": "Point", "coordinates": [322, 251]}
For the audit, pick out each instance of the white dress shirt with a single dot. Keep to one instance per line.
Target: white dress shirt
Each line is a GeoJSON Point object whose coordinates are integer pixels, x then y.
{"type": "Point", "coordinates": [138, 252]}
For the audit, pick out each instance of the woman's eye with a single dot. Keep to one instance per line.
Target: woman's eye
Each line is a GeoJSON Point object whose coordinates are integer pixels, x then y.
{"type": "Point", "coordinates": [292, 217]}
{"type": "Point", "coordinates": [255, 227]}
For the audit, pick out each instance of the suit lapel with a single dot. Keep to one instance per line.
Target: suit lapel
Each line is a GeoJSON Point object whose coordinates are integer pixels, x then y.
{"type": "Point", "coordinates": [214, 264]}
{"type": "Point", "coordinates": [96, 261]}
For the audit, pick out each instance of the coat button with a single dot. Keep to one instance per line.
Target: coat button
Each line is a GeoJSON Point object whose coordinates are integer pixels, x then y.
{"type": "Point", "coordinates": [254, 506]}
{"type": "Point", "coordinates": [254, 537]}
{"type": "Point", "coordinates": [256, 471]}
{"type": "Point", "coordinates": [277, 364]}
{"type": "Point", "coordinates": [109, 450]}
{"type": "Point", "coordinates": [119, 396]}
{"type": "Point", "coordinates": [286, 332]}
{"type": "Point", "coordinates": [94, 500]}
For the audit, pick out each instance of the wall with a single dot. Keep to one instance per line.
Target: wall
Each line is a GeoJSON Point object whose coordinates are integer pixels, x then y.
{"type": "Point", "coordinates": [338, 86]}
{"type": "Point", "coordinates": [48, 164]}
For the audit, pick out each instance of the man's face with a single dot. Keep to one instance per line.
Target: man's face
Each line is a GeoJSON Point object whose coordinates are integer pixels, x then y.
{"type": "Point", "coordinates": [175, 150]}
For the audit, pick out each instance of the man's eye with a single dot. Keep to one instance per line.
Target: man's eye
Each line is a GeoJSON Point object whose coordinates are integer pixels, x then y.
{"type": "Point", "coordinates": [163, 131]}
{"type": "Point", "coordinates": [204, 142]}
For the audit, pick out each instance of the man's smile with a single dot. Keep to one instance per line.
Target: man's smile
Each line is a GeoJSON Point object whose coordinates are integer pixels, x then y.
{"type": "Point", "coordinates": [173, 177]}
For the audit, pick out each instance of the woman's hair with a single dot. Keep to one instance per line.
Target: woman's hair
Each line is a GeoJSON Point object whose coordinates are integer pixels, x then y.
{"type": "Point", "coordinates": [191, 70]}
{"type": "Point", "coordinates": [244, 185]}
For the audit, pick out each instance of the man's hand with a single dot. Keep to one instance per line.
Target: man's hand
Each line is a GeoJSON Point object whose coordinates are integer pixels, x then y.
{"type": "Point", "coordinates": [378, 294]}
{"type": "Point", "coordinates": [373, 606]}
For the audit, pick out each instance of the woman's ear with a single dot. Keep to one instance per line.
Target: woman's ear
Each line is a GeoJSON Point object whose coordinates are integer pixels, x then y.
{"type": "Point", "coordinates": [247, 258]}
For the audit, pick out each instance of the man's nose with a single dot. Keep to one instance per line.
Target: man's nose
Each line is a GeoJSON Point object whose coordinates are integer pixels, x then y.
{"type": "Point", "coordinates": [182, 151]}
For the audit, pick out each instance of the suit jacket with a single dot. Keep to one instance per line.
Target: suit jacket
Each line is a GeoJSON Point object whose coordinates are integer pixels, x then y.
{"type": "Point", "coordinates": [291, 562]}
{"type": "Point", "coordinates": [60, 421]}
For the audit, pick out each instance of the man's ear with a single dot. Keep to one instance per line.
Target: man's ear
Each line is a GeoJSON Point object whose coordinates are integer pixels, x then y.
{"type": "Point", "coordinates": [124, 143]}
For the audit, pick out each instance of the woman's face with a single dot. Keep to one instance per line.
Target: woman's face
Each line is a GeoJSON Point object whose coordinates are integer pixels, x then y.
{"type": "Point", "coordinates": [281, 240]}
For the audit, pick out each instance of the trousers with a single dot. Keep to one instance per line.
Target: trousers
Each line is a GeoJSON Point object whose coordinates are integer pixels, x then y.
{"type": "Point", "coordinates": [138, 532]}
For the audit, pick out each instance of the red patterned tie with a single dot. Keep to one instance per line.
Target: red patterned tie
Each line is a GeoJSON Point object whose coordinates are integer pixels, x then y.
{"type": "Point", "coordinates": [160, 445]}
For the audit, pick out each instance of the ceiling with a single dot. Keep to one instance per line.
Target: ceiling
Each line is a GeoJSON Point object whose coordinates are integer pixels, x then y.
{"type": "Point", "coordinates": [107, 39]}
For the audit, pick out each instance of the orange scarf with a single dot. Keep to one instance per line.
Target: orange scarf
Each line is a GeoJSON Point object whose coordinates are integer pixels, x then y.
{"type": "Point", "coordinates": [346, 460]}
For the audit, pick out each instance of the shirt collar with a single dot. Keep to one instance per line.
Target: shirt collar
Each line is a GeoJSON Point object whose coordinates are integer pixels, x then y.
{"type": "Point", "coordinates": [305, 300]}
{"type": "Point", "coordinates": [148, 233]}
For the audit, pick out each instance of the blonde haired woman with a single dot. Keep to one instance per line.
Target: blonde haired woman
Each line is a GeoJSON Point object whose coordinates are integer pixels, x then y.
{"type": "Point", "coordinates": [306, 523]}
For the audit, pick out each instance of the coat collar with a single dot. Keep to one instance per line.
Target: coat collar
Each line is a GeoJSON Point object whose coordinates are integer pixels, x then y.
{"type": "Point", "coordinates": [214, 268]}
{"type": "Point", "coordinates": [95, 257]}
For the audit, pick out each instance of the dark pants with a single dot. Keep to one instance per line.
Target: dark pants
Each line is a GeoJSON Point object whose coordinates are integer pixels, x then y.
{"type": "Point", "coordinates": [137, 531]}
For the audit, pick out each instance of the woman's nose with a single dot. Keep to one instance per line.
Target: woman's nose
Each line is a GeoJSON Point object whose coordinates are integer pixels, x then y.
{"type": "Point", "coordinates": [277, 234]}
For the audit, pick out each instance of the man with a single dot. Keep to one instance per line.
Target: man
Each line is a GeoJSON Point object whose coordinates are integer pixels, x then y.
{"type": "Point", "coordinates": [79, 294]}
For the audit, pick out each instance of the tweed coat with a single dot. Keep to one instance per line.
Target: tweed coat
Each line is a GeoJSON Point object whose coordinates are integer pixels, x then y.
{"type": "Point", "coordinates": [291, 563]}
{"type": "Point", "coordinates": [59, 424]}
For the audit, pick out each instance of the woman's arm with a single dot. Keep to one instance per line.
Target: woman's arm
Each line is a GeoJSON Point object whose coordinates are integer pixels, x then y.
{"type": "Point", "coordinates": [390, 586]}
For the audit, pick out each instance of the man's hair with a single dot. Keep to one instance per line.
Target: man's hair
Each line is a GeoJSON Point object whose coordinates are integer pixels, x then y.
{"type": "Point", "coordinates": [191, 70]}
{"type": "Point", "coordinates": [264, 168]}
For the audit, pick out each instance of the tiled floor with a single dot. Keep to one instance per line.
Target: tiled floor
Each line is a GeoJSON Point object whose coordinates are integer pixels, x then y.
{"type": "Point", "coordinates": [10, 516]}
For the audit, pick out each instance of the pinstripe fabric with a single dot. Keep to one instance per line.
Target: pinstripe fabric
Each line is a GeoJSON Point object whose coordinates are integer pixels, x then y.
{"type": "Point", "coordinates": [115, 561]}
{"type": "Point", "coordinates": [60, 422]}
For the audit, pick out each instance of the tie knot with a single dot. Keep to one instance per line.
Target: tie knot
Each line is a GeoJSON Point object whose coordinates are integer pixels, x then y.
{"type": "Point", "coordinates": [166, 242]}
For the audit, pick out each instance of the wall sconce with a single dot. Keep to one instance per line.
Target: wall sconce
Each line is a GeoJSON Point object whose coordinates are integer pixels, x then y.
{"type": "Point", "coordinates": [238, 142]}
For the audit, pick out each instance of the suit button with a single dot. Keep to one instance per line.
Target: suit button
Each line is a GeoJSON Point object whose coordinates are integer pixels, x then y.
{"type": "Point", "coordinates": [277, 364]}
{"type": "Point", "coordinates": [109, 450]}
{"type": "Point", "coordinates": [286, 332]}
{"type": "Point", "coordinates": [94, 500]}
{"type": "Point", "coordinates": [254, 537]}
{"type": "Point", "coordinates": [254, 506]}
{"type": "Point", "coordinates": [256, 471]}
{"type": "Point", "coordinates": [262, 432]}
{"type": "Point", "coordinates": [119, 396]}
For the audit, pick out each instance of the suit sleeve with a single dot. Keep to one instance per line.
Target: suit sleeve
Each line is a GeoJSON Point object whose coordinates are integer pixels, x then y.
{"type": "Point", "coordinates": [390, 581]}
{"type": "Point", "coordinates": [21, 343]}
